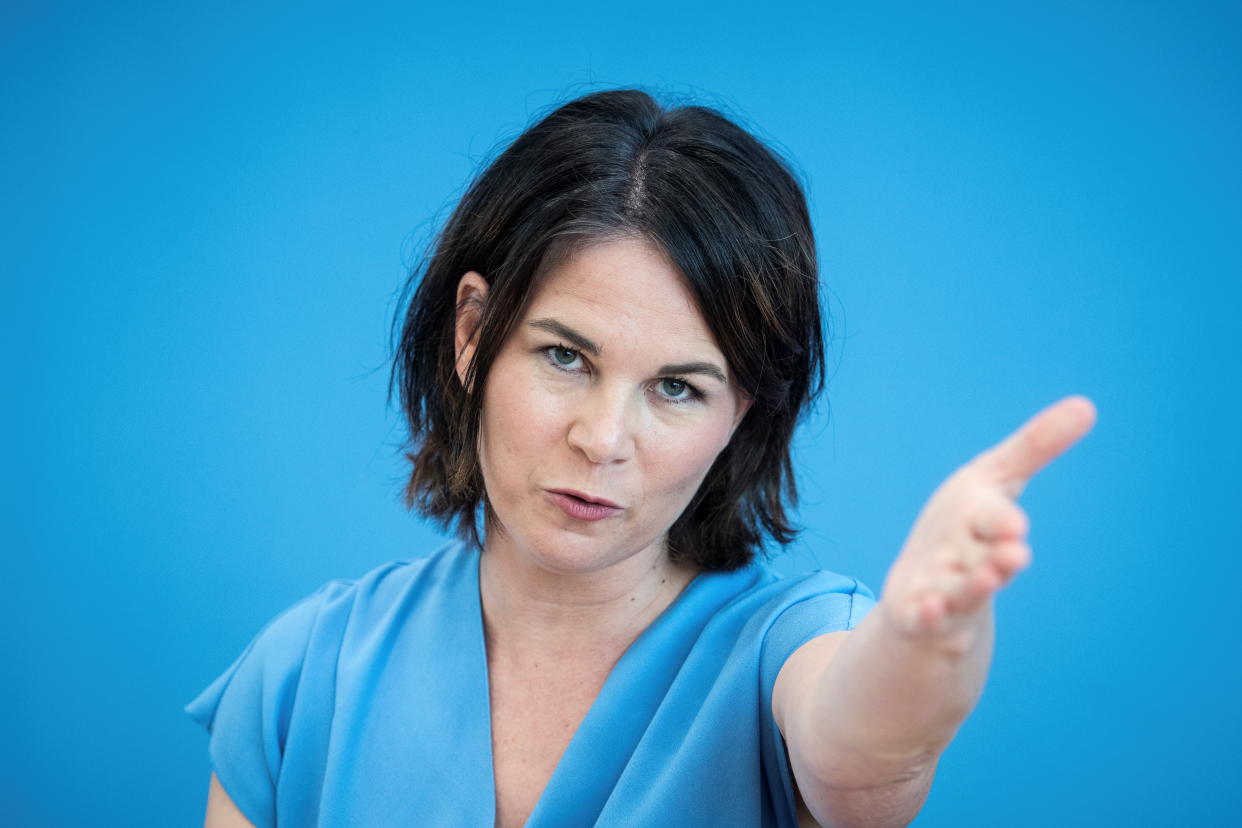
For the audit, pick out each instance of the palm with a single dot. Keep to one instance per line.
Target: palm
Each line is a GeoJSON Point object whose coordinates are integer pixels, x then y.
{"type": "Point", "coordinates": [970, 538]}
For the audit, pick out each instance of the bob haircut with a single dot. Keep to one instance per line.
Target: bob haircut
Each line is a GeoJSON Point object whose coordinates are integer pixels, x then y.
{"type": "Point", "coordinates": [727, 212]}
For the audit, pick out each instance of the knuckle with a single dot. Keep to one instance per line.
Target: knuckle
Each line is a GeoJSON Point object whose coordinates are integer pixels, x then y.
{"type": "Point", "coordinates": [1021, 521]}
{"type": "Point", "coordinates": [1016, 555]}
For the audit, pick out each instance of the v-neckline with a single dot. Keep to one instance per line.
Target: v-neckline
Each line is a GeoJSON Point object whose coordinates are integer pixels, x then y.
{"type": "Point", "coordinates": [481, 667]}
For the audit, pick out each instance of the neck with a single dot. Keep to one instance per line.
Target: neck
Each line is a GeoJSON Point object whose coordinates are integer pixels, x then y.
{"type": "Point", "coordinates": [528, 609]}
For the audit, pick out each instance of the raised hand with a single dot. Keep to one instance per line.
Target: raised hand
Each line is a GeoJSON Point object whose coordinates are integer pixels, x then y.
{"type": "Point", "coordinates": [970, 538]}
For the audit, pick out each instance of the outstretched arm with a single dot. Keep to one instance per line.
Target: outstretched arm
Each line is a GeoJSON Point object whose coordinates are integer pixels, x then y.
{"type": "Point", "coordinates": [864, 737]}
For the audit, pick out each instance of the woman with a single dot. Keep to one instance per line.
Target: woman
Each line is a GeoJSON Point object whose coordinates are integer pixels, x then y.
{"type": "Point", "coordinates": [607, 352]}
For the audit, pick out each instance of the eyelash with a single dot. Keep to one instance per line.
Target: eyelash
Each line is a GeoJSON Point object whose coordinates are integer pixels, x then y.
{"type": "Point", "coordinates": [694, 395]}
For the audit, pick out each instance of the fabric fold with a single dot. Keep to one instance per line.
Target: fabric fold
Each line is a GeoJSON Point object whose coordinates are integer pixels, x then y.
{"type": "Point", "coordinates": [367, 703]}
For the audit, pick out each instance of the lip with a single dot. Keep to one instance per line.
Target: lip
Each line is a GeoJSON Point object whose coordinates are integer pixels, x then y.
{"type": "Point", "coordinates": [582, 506]}
{"type": "Point", "coordinates": [584, 496]}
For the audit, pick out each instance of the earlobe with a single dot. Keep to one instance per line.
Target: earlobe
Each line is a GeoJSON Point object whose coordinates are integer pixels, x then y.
{"type": "Point", "coordinates": [471, 298]}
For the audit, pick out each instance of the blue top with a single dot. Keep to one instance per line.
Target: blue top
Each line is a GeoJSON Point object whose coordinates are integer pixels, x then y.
{"type": "Point", "coordinates": [366, 703]}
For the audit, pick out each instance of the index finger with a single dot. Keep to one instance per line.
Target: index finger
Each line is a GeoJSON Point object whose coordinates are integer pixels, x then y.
{"type": "Point", "coordinates": [1039, 441]}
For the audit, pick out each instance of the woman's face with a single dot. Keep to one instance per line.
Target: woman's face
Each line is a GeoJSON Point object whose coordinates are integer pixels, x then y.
{"type": "Point", "coordinates": [611, 389]}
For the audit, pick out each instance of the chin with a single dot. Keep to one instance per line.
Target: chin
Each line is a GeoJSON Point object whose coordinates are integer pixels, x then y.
{"type": "Point", "coordinates": [566, 549]}
{"type": "Point", "coordinates": [566, 552]}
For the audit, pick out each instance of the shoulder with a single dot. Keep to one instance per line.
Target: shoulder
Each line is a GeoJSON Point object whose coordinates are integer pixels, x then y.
{"type": "Point", "coordinates": [312, 630]}
{"type": "Point", "coordinates": [766, 616]}
{"type": "Point", "coordinates": [806, 619]}
{"type": "Point", "coordinates": [284, 685]}
{"type": "Point", "coordinates": [736, 630]}
{"type": "Point", "coordinates": [305, 624]}
{"type": "Point", "coordinates": [371, 596]}
{"type": "Point", "coordinates": [808, 633]}
{"type": "Point", "coordinates": [802, 607]}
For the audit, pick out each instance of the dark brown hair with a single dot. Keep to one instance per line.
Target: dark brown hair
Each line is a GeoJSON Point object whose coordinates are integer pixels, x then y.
{"type": "Point", "coordinates": [730, 215]}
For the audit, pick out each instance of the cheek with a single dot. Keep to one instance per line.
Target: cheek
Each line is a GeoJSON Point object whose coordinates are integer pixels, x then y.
{"type": "Point", "coordinates": [520, 422]}
{"type": "Point", "coordinates": [679, 459]}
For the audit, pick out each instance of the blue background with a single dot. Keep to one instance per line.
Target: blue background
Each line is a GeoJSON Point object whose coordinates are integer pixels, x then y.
{"type": "Point", "coordinates": [209, 209]}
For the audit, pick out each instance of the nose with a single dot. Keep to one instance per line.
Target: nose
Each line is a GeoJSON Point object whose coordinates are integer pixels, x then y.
{"type": "Point", "coordinates": [602, 427]}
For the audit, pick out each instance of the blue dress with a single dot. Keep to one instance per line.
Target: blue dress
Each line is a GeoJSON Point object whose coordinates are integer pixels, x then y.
{"type": "Point", "coordinates": [366, 703]}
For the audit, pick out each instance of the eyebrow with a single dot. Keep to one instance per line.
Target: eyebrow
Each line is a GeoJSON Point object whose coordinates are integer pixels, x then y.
{"type": "Point", "coordinates": [594, 349]}
{"type": "Point", "coordinates": [705, 368]}
{"type": "Point", "coordinates": [561, 329]}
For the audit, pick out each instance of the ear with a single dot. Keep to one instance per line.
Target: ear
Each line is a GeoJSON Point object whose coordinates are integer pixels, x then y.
{"type": "Point", "coordinates": [743, 405]}
{"type": "Point", "coordinates": [471, 298]}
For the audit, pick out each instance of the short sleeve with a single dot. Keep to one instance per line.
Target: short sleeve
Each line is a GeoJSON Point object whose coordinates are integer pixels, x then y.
{"type": "Point", "coordinates": [821, 603]}
{"type": "Point", "coordinates": [247, 709]}
{"type": "Point", "coordinates": [842, 608]}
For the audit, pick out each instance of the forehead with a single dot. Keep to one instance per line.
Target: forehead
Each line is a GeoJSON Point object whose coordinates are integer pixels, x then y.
{"type": "Point", "coordinates": [622, 285]}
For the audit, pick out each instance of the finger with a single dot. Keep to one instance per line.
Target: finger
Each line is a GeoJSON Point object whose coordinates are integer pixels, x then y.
{"type": "Point", "coordinates": [1017, 458]}
{"type": "Point", "coordinates": [984, 581]}
{"type": "Point", "coordinates": [994, 516]}
{"type": "Point", "coordinates": [953, 560]}
{"type": "Point", "coordinates": [930, 612]}
{"type": "Point", "coordinates": [978, 585]}
{"type": "Point", "coordinates": [971, 553]}
{"type": "Point", "coordinates": [1010, 557]}
{"type": "Point", "coordinates": [949, 582]}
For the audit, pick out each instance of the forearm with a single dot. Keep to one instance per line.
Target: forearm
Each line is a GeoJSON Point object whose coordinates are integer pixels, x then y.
{"type": "Point", "coordinates": [890, 704]}
{"type": "Point", "coordinates": [870, 720]}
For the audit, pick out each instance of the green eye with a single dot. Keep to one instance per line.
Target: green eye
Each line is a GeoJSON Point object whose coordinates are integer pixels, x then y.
{"type": "Point", "coordinates": [564, 356]}
{"type": "Point", "coordinates": [673, 387]}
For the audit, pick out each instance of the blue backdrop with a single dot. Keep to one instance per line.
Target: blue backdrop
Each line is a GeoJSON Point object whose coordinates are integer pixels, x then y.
{"type": "Point", "coordinates": [209, 209]}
